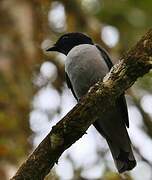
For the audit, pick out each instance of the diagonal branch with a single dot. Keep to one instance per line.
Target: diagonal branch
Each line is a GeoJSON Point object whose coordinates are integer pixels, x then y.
{"type": "Point", "coordinates": [135, 63]}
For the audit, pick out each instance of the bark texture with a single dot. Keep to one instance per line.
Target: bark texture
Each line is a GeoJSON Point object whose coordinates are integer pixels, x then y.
{"type": "Point", "coordinates": [135, 63]}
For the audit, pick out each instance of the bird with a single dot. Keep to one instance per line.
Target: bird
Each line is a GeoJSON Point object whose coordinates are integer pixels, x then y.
{"type": "Point", "coordinates": [86, 63]}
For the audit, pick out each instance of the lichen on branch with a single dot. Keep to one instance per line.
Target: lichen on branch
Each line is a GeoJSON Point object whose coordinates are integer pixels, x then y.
{"type": "Point", "coordinates": [134, 64]}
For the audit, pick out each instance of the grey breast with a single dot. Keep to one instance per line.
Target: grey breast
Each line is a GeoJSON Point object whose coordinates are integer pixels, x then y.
{"type": "Point", "coordinates": [85, 66]}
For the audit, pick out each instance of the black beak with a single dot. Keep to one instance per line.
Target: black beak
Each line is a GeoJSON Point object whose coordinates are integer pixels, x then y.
{"type": "Point", "coordinates": [54, 48]}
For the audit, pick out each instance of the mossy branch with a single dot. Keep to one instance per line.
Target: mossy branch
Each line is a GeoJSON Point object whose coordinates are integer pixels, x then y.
{"type": "Point", "coordinates": [134, 64]}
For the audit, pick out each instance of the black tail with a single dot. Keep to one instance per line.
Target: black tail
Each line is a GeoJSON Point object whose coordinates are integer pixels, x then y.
{"type": "Point", "coordinates": [124, 161]}
{"type": "Point", "coordinates": [120, 146]}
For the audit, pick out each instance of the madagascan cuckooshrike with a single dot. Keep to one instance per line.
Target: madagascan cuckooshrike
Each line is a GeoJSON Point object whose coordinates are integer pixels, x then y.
{"type": "Point", "coordinates": [85, 64]}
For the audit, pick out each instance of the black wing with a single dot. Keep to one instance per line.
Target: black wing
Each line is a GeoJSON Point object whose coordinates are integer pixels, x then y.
{"type": "Point", "coordinates": [123, 108]}
{"type": "Point", "coordinates": [121, 100]}
{"type": "Point", "coordinates": [105, 56]}
{"type": "Point", "coordinates": [70, 85]}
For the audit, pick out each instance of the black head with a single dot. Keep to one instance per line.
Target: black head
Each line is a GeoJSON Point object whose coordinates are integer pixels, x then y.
{"type": "Point", "coordinates": [66, 42]}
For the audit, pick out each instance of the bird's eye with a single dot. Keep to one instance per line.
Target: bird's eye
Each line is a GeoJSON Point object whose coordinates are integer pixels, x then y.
{"type": "Point", "coordinates": [65, 37]}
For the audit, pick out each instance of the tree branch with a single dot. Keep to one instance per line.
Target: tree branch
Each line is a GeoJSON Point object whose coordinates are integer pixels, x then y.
{"type": "Point", "coordinates": [134, 64]}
